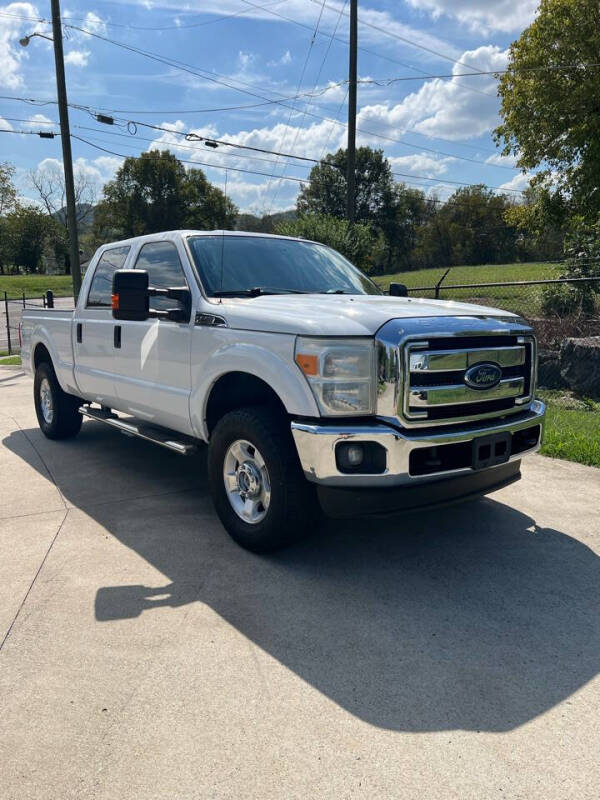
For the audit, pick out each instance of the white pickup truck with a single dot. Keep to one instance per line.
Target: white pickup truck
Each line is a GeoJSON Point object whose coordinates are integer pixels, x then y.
{"type": "Point", "coordinates": [312, 389]}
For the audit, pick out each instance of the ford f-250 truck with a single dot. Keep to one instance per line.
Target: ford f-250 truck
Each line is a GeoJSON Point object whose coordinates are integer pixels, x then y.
{"type": "Point", "coordinates": [310, 387]}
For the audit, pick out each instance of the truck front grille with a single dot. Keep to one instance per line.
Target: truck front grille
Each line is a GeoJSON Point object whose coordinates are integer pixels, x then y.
{"type": "Point", "coordinates": [435, 376]}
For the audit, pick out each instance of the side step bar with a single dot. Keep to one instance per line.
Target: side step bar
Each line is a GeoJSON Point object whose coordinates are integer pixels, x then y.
{"type": "Point", "coordinates": [131, 426]}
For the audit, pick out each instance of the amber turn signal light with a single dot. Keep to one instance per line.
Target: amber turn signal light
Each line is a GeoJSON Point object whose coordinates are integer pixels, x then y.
{"type": "Point", "coordinates": [114, 302]}
{"type": "Point", "coordinates": [309, 364]}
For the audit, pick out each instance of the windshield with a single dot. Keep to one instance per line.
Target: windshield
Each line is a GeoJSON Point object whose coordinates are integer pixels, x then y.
{"type": "Point", "coordinates": [229, 265]}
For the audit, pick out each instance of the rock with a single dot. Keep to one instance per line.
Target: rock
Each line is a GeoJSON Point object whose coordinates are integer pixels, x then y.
{"type": "Point", "coordinates": [580, 365]}
{"type": "Point", "coordinates": [549, 376]}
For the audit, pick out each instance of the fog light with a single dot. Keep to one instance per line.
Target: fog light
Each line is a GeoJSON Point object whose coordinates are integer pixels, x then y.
{"type": "Point", "coordinates": [367, 458]}
{"type": "Point", "coordinates": [351, 455]}
{"type": "Point", "coordinates": [355, 455]}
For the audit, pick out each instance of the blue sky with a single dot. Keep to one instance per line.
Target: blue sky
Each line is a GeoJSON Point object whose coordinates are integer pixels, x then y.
{"type": "Point", "coordinates": [233, 53]}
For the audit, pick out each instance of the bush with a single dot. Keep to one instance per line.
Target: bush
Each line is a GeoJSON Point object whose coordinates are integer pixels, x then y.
{"type": "Point", "coordinates": [567, 299]}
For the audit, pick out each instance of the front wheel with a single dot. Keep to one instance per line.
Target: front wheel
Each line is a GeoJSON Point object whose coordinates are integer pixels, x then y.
{"type": "Point", "coordinates": [257, 485]}
{"type": "Point", "coordinates": [57, 412]}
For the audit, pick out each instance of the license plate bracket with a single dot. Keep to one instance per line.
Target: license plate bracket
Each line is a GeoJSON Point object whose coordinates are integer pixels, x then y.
{"type": "Point", "coordinates": [488, 451]}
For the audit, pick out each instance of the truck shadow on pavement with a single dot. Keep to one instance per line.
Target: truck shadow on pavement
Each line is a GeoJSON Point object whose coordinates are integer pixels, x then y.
{"type": "Point", "coordinates": [468, 618]}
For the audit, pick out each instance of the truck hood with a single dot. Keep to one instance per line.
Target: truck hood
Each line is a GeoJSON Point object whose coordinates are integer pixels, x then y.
{"type": "Point", "coordinates": [337, 315]}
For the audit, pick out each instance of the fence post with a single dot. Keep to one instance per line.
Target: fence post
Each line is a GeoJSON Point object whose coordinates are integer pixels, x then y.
{"type": "Point", "coordinates": [49, 299]}
{"type": "Point", "coordinates": [7, 322]}
{"type": "Point", "coordinates": [23, 299]}
{"type": "Point", "coordinates": [439, 283]}
{"type": "Point", "coordinates": [43, 301]}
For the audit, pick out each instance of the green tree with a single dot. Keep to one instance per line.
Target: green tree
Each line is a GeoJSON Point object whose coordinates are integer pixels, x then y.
{"type": "Point", "coordinates": [8, 193]}
{"type": "Point", "coordinates": [550, 101]}
{"type": "Point", "coordinates": [156, 193]}
{"type": "Point", "coordinates": [470, 228]}
{"type": "Point", "coordinates": [325, 192]}
{"type": "Point", "coordinates": [27, 235]}
{"type": "Point", "coordinates": [353, 240]}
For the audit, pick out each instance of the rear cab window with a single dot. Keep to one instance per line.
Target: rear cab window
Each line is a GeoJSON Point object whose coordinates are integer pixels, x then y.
{"type": "Point", "coordinates": [101, 287]}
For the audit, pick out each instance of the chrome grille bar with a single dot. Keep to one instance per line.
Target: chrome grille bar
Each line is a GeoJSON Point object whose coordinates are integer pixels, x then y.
{"type": "Point", "coordinates": [450, 360]}
{"type": "Point", "coordinates": [423, 397]}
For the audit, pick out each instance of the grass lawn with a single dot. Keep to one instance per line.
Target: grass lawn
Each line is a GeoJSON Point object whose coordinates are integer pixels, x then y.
{"type": "Point", "coordinates": [35, 285]}
{"type": "Point", "coordinates": [520, 299]}
{"type": "Point", "coordinates": [10, 361]}
{"type": "Point", "coordinates": [572, 428]}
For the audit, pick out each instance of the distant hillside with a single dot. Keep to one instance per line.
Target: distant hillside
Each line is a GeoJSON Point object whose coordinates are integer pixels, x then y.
{"type": "Point", "coordinates": [265, 224]}
{"type": "Point", "coordinates": [85, 216]}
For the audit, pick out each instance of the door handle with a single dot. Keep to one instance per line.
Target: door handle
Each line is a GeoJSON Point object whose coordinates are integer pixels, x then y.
{"type": "Point", "coordinates": [117, 336]}
{"type": "Point", "coordinates": [79, 332]}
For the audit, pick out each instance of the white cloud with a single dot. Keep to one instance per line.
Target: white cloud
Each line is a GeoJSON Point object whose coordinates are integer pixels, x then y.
{"type": "Point", "coordinates": [483, 15]}
{"type": "Point", "coordinates": [421, 164]}
{"type": "Point", "coordinates": [518, 183]}
{"type": "Point", "coordinates": [4, 125]}
{"type": "Point", "coordinates": [38, 121]}
{"type": "Point", "coordinates": [443, 108]}
{"type": "Point", "coordinates": [502, 161]}
{"type": "Point", "coordinates": [96, 171]}
{"type": "Point", "coordinates": [12, 28]}
{"type": "Point", "coordinates": [78, 58]}
{"type": "Point", "coordinates": [286, 58]}
{"type": "Point", "coordinates": [94, 23]}
{"type": "Point", "coordinates": [246, 59]}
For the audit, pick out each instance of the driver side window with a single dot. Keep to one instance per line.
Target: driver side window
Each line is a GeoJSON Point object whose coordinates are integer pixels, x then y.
{"type": "Point", "coordinates": [161, 261]}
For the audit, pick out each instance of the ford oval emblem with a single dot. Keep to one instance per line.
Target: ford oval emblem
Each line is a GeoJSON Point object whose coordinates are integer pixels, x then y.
{"type": "Point", "coordinates": [483, 376]}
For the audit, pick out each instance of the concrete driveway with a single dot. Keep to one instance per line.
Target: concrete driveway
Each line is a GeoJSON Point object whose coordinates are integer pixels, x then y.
{"type": "Point", "coordinates": [449, 654]}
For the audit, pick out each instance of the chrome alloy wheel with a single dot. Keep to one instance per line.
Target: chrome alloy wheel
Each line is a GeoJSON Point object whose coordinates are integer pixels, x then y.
{"type": "Point", "coordinates": [247, 481]}
{"type": "Point", "coordinates": [46, 404]}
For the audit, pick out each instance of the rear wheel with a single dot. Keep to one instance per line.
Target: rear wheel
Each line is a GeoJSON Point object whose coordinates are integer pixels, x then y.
{"type": "Point", "coordinates": [257, 485]}
{"type": "Point", "coordinates": [57, 412]}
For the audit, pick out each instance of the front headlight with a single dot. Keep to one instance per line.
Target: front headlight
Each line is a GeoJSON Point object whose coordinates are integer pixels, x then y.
{"type": "Point", "coordinates": [341, 374]}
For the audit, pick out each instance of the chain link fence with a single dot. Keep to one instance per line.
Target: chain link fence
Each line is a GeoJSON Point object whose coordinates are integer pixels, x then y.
{"type": "Point", "coordinates": [11, 312]}
{"type": "Point", "coordinates": [564, 312]}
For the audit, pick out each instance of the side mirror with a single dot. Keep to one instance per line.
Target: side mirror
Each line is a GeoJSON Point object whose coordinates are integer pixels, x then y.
{"type": "Point", "coordinates": [398, 290]}
{"type": "Point", "coordinates": [130, 295]}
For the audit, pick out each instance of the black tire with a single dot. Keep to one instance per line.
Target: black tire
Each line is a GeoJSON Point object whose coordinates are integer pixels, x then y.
{"type": "Point", "coordinates": [293, 506]}
{"type": "Point", "coordinates": [64, 420]}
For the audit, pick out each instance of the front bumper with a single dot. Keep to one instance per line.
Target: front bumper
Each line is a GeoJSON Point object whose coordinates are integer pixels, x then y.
{"type": "Point", "coordinates": [316, 444]}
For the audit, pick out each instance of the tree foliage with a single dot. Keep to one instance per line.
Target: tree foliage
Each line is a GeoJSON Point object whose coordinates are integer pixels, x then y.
{"type": "Point", "coordinates": [353, 240]}
{"type": "Point", "coordinates": [8, 193]}
{"type": "Point", "coordinates": [156, 193]}
{"type": "Point", "coordinates": [27, 235]}
{"type": "Point", "coordinates": [550, 101]}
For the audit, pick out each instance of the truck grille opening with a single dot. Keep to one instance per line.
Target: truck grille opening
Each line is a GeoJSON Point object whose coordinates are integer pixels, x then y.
{"type": "Point", "coordinates": [453, 379]}
{"type": "Point", "coordinates": [459, 455]}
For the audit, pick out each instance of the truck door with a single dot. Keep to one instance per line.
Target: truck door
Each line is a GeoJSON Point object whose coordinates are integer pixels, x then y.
{"type": "Point", "coordinates": [152, 358]}
{"type": "Point", "coordinates": [93, 331]}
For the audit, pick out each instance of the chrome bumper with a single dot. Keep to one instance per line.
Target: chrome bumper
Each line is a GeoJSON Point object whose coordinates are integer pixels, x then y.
{"type": "Point", "coordinates": [316, 444]}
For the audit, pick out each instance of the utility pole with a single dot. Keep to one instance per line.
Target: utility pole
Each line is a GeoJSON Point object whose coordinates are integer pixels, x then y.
{"type": "Point", "coordinates": [65, 131]}
{"type": "Point", "coordinates": [352, 77]}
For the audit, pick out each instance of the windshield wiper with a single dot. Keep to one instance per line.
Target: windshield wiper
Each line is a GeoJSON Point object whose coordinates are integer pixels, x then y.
{"type": "Point", "coordinates": [256, 291]}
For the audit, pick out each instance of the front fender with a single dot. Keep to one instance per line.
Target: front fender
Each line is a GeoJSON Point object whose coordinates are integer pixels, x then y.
{"type": "Point", "coordinates": [270, 357]}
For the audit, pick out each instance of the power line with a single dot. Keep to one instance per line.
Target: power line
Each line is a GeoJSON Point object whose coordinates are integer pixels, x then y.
{"type": "Point", "coordinates": [181, 26]}
{"type": "Point", "coordinates": [300, 79]}
{"type": "Point", "coordinates": [360, 47]}
{"type": "Point", "coordinates": [195, 137]}
{"type": "Point", "coordinates": [197, 73]}
{"type": "Point", "coordinates": [312, 41]}
{"type": "Point", "coordinates": [402, 39]}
